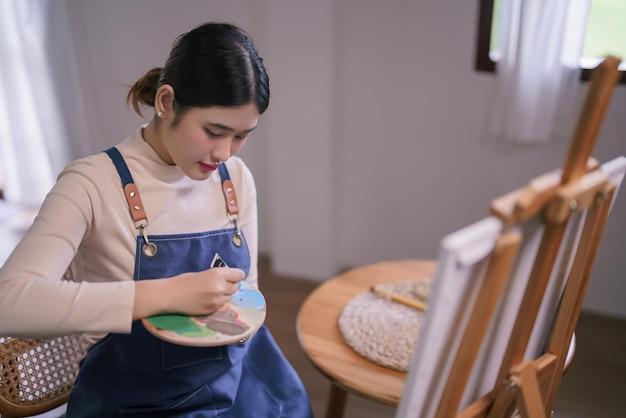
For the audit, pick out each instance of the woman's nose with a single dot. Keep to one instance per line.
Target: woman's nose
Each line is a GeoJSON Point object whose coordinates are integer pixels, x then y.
{"type": "Point", "coordinates": [222, 152]}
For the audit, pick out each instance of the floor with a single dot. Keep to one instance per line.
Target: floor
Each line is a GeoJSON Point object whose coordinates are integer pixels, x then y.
{"type": "Point", "coordinates": [593, 387]}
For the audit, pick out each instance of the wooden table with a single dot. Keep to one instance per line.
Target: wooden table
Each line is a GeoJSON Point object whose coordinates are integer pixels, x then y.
{"type": "Point", "coordinates": [322, 341]}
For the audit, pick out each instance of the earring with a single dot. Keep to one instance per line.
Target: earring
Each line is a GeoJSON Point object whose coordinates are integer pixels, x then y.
{"type": "Point", "coordinates": [160, 114]}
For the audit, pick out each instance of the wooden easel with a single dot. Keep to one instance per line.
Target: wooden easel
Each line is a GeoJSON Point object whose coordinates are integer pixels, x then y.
{"type": "Point", "coordinates": [530, 386]}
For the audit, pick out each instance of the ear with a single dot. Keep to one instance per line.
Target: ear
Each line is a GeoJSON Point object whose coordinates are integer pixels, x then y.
{"type": "Point", "coordinates": [164, 101]}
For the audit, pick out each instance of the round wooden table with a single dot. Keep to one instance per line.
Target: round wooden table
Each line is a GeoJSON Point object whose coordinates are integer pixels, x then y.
{"type": "Point", "coordinates": [323, 343]}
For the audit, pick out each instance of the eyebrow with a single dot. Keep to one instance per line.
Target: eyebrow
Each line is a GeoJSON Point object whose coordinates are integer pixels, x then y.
{"type": "Point", "coordinates": [228, 128]}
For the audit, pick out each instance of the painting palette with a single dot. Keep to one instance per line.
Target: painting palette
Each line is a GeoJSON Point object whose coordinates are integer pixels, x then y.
{"type": "Point", "coordinates": [235, 322]}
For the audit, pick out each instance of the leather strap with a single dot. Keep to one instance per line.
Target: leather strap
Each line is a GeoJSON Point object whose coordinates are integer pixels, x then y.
{"type": "Point", "coordinates": [229, 191]}
{"type": "Point", "coordinates": [133, 199]}
{"type": "Point", "coordinates": [131, 192]}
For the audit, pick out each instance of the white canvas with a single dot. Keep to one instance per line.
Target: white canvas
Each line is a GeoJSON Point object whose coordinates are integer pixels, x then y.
{"type": "Point", "coordinates": [462, 260]}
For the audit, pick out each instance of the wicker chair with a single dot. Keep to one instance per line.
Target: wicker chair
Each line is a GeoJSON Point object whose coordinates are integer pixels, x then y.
{"type": "Point", "coordinates": [37, 375]}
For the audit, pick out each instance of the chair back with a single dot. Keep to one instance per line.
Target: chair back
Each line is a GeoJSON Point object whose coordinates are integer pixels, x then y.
{"type": "Point", "coordinates": [37, 375]}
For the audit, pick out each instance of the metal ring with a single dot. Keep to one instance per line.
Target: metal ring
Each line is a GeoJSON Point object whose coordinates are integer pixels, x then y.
{"type": "Point", "coordinates": [149, 249]}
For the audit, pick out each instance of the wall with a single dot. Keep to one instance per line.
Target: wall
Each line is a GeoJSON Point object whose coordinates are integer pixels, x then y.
{"type": "Point", "coordinates": [374, 146]}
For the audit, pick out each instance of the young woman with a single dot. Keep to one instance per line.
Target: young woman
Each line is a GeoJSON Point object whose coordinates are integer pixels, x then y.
{"type": "Point", "coordinates": [131, 233]}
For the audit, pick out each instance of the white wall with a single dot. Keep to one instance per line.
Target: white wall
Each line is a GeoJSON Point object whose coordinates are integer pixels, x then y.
{"type": "Point", "coordinates": [373, 147]}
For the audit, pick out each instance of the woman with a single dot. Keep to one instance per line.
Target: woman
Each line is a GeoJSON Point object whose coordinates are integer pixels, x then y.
{"type": "Point", "coordinates": [131, 233]}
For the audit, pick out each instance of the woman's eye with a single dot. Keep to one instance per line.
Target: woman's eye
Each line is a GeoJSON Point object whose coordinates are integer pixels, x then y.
{"type": "Point", "coordinates": [241, 138]}
{"type": "Point", "coordinates": [213, 134]}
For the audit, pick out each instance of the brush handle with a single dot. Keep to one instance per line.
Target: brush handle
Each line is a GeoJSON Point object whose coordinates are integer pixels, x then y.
{"type": "Point", "coordinates": [412, 303]}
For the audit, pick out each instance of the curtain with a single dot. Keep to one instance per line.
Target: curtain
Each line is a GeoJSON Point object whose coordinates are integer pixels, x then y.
{"type": "Point", "coordinates": [538, 71]}
{"type": "Point", "coordinates": [33, 135]}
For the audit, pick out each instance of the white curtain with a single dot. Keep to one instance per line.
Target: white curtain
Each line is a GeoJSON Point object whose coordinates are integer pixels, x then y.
{"type": "Point", "coordinates": [33, 134]}
{"type": "Point", "coordinates": [538, 69]}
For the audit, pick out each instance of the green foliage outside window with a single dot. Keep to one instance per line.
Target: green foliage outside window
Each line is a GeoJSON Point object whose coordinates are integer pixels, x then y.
{"type": "Point", "coordinates": [606, 29]}
{"type": "Point", "coordinates": [605, 32]}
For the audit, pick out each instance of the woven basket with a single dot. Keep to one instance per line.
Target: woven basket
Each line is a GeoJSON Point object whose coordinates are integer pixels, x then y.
{"type": "Point", "coordinates": [384, 331]}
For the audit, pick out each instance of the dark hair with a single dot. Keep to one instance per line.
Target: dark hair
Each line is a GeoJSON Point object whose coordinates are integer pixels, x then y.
{"type": "Point", "coordinates": [215, 64]}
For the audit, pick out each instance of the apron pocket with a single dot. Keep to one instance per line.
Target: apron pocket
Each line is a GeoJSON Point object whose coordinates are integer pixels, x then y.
{"type": "Point", "coordinates": [175, 356]}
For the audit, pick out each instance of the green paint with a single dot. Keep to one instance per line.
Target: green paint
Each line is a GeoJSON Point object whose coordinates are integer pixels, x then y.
{"type": "Point", "coordinates": [182, 325]}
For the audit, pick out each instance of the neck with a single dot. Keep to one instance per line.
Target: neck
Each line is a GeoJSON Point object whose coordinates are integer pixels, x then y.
{"type": "Point", "coordinates": [152, 136]}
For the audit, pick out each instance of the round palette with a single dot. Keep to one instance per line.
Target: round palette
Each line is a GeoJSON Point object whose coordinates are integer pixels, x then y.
{"type": "Point", "coordinates": [235, 322]}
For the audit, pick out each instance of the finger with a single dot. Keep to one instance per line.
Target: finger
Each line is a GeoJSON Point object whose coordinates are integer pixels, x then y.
{"type": "Point", "coordinates": [231, 290]}
{"type": "Point", "coordinates": [230, 274]}
{"type": "Point", "coordinates": [235, 275]}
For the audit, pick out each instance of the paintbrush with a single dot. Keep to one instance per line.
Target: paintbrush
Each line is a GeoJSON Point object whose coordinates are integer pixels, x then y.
{"type": "Point", "coordinates": [412, 303]}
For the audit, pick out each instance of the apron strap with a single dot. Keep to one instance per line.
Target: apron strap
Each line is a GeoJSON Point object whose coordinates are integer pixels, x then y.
{"type": "Point", "coordinates": [231, 202]}
{"type": "Point", "coordinates": [131, 192]}
{"type": "Point", "coordinates": [135, 205]}
{"type": "Point", "coordinates": [229, 191]}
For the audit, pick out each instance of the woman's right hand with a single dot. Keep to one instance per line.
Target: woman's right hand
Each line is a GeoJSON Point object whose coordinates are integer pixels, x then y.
{"type": "Point", "coordinates": [200, 293]}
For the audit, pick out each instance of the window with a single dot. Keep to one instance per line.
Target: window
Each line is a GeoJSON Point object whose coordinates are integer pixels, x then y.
{"type": "Point", "coordinates": [605, 34]}
{"type": "Point", "coordinates": [31, 129]}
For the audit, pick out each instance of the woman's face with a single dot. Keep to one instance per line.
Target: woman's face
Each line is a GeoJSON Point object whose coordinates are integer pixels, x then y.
{"type": "Point", "coordinates": [205, 137]}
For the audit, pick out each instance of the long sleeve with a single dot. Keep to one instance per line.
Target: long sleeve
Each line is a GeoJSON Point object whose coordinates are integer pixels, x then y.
{"type": "Point", "coordinates": [34, 300]}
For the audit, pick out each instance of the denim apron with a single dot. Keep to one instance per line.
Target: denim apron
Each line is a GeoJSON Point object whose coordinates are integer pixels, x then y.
{"type": "Point", "coordinates": [139, 375]}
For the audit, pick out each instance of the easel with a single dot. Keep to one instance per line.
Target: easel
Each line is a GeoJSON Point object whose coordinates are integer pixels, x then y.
{"type": "Point", "coordinates": [530, 386]}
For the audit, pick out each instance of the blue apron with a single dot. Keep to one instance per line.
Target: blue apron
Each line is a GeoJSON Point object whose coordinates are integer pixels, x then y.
{"type": "Point", "coordinates": [139, 375]}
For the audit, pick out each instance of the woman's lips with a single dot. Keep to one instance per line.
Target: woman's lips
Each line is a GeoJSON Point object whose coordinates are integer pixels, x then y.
{"type": "Point", "coordinates": [208, 167]}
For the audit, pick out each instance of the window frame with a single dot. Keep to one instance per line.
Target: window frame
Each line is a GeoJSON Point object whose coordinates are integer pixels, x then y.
{"type": "Point", "coordinates": [484, 63]}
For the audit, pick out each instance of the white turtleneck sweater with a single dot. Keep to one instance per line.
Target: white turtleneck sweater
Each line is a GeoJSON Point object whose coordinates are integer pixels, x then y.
{"type": "Point", "coordinates": [85, 224]}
